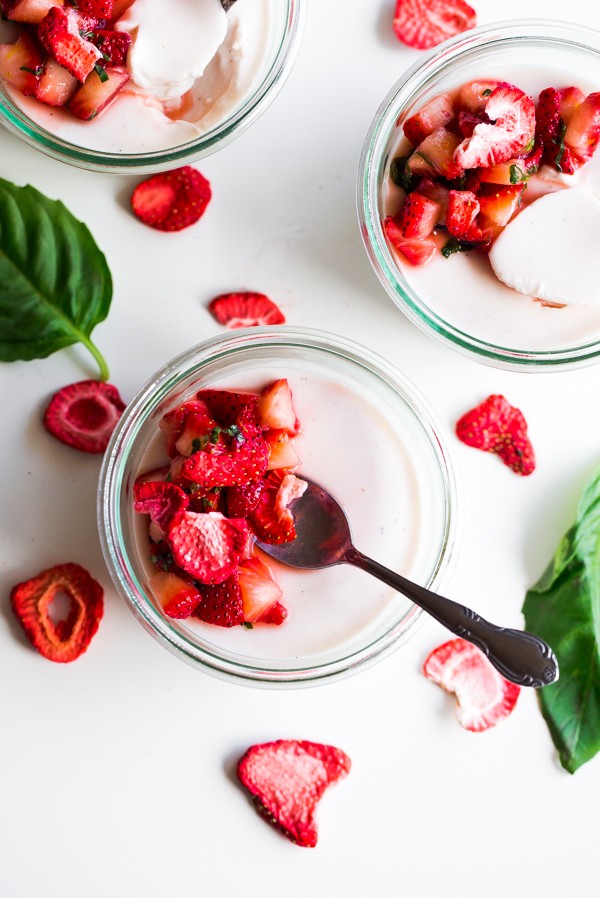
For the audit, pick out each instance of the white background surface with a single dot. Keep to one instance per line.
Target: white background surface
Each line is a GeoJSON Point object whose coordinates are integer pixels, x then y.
{"type": "Point", "coordinates": [116, 772]}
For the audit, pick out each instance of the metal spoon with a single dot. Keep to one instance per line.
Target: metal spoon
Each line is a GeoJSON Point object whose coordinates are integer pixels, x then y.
{"type": "Point", "coordinates": [323, 539]}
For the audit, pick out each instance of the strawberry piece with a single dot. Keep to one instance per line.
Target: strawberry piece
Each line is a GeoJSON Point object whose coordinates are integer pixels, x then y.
{"type": "Point", "coordinates": [433, 115]}
{"type": "Point", "coordinates": [218, 465]}
{"type": "Point", "coordinates": [98, 92]}
{"type": "Point", "coordinates": [183, 424]}
{"type": "Point", "coordinates": [31, 12]}
{"type": "Point", "coordinates": [496, 426]}
{"type": "Point", "coordinates": [436, 155]}
{"type": "Point", "coordinates": [276, 408]}
{"type": "Point", "coordinates": [58, 33]}
{"type": "Point", "coordinates": [119, 8]}
{"type": "Point", "coordinates": [498, 208]}
{"type": "Point", "coordinates": [416, 251]}
{"type": "Point", "coordinates": [207, 546]}
{"type": "Point", "coordinates": [21, 64]}
{"type": "Point", "coordinates": [56, 85]}
{"type": "Point", "coordinates": [114, 45]}
{"type": "Point", "coordinates": [583, 131]}
{"type": "Point", "coordinates": [84, 414]}
{"type": "Point", "coordinates": [473, 96]}
{"type": "Point", "coordinates": [258, 589]}
{"type": "Point", "coordinates": [484, 696]}
{"type": "Point", "coordinates": [161, 500]}
{"type": "Point", "coordinates": [514, 171]}
{"type": "Point", "coordinates": [230, 407]}
{"type": "Point", "coordinates": [436, 192]}
{"type": "Point", "coordinates": [463, 208]}
{"type": "Point", "coordinates": [271, 519]}
{"type": "Point", "coordinates": [63, 640]}
{"type": "Point", "coordinates": [570, 99]}
{"type": "Point", "coordinates": [276, 614]}
{"type": "Point", "coordinates": [466, 122]}
{"type": "Point", "coordinates": [245, 310]}
{"type": "Point", "coordinates": [426, 23]}
{"type": "Point", "coordinates": [512, 116]}
{"type": "Point", "coordinates": [99, 9]}
{"type": "Point", "coordinates": [178, 597]}
{"type": "Point", "coordinates": [243, 499]}
{"type": "Point", "coordinates": [281, 451]}
{"type": "Point", "coordinates": [172, 201]}
{"type": "Point", "coordinates": [548, 119]}
{"type": "Point", "coordinates": [287, 778]}
{"type": "Point", "coordinates": [221, 604]}
{"type": "Point", "coordinates": [418, 215]}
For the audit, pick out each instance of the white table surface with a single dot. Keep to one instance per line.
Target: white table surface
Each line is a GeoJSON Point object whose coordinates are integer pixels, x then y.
{"type": "Point", "coordinates": [116, 772]}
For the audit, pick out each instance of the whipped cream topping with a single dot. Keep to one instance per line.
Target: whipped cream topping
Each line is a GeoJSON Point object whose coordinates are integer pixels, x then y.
{"type": "Point", "coordinates": [173, 43]}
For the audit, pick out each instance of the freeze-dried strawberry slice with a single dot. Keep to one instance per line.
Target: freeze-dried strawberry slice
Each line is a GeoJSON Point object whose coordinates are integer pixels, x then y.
{"type": "Point", "coordinates": [271, 519]}
{"type": "Point", "coordinates": [245, 309]}
{"type": "Point", "coordinates": [84, 414]}
{"type": "Point", "coordinates": [218, 465]}
{"type": "Point", "coordinates": [287, 778]}
{"type": "Point", "coordinates": [208, 546]}
{"type": "Point", "coordinates": [32, 601]}
{"type": "Point", "coordinates": [59, 34]}
{"type": "Point", "coordinates": [161, 500]}
{"type": "Point", "coordinates": [484, 696]}
{"type": "Point", "coordinates": [171, 201]}
{"type": "Point", "coordinates": [511, 131]}
{"type": "Point", "coordinates": [426, 23]}
{"type": "Point", "coordinates": [496, 426]}
{"type": "Point", "coordinates": [221, 603]}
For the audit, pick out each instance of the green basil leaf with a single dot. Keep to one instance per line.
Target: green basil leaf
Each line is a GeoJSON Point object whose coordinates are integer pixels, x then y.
{"type": "Point", "coordinates": [55, 284]}
{"type": "Point", "coordinates": [564, 609]}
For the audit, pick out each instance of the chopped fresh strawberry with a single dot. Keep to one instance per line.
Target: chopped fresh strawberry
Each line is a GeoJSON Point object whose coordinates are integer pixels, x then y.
{"type": "Point", "coordinates": [114, 45]}
{"type": "Point", "coordinates": [245, 309]}
{"type": "Point", "coordinates": [230, 407]}
{"type": "Point", "coordinates": [221, 603]}
{"type": "Point", "coordinates": [499, 206]}
{"type": "Point", "coordinates": [484, 696]}
{"type": "Point", "coordinates": [241, 500]}
{"type": "Point", "coordinates": [436, 155]}
{"type": "Point", "coordinates": [21, 64]}
{"type": "Point", "coordinates": [570, 99]}
{"type": "Point", "coordinates": [56, 85]}
{"type": "Point", "coordinates": [436, 192]}
{"type": "Point", "coordinates": [171, 201]}
{"type": "Point", "coordinates": [548, 120]}
{"type": "Point", "coordinates": [287, 778]}
{"type": "Point", "coordinates": [473, 96]}
{"type": "Point", "coordinates": [208, 546]}
{"type": "Point", "coordinates": [463, 208]}
{"type": "Point", "coordinates": [161, 500]}
{"type": "Point", "coordinates": [418, 216]}
{"type": "Point", "coordinates": [233, 465]}
{"type": "Point", "coordinates": [58, 32]}
{"type": "Point", "coordinates": [178, 597]}
{"type": "Point", "coordinates": [191, 419]}
{"type": "Point", "coordinates": [513, 171]}
{"type": "Point", "coordinates": [583, 131]}
{"type": "Point", "coordinates": [281, 451]}
{"type": "Point", "coordinates": [65, 639]}
{"type": "Point", "coordinates": [416, 251]}
{"type": "Point", "coordinates": [99, 9]}
{"type": "Point", "coordinates": [100, 90]}
{"type": "Point", "coordinates": [511, 113]}
{"type": "Point", "coordinates": [271, 519]}
{"type": "Point", "coordinates": [258, 588]}
{"type": "Point", "coordinates": [119, 8]}
{"type": "Point", "coordinates": [496, 426]}
{"type": "Point", "coordinates": [276, 615]}
{"type": "Point", "coordinates": [276, 408]}
{"type": "Point", "coordinates": [31, 12]}
{"type": "Point", "coordinates": [84, 414]}
{"type": "Point", "coordinates": [466, 122]}
{"type": "Point", "coordinates": [433, 115]}
{"type": "Point", "coordinates": [426, 23]}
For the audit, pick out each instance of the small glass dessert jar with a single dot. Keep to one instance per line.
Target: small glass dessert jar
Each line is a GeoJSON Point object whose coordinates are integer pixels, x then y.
{"type": "Point", "coordinates": [458, 300]}
{"type": "Point", "coordinates": [367, 436]}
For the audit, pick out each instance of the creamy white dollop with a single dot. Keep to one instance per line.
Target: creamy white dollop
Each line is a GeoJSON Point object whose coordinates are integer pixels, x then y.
{"type": "Point", "coordinates": [172, 43]}
{"type": "Point", "coordinates": [551, 249]}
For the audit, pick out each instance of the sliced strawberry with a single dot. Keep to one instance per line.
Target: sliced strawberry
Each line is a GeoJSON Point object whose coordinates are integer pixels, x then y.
{"type": "Point", "coordinates": [496, 426]}
{"type": "Point", "coordinates": [426, 23]}
{"type": "Point", "coordinates": [31, 12]}
{"type": "Point", "coordinates": [281, 450]}
{"type": "Point", "coordinates": [21, 64]}
{"type": "Point", "coordinates": [99, 9]}
{"type": "Point", "coordinates": [114, 45]}
{"type": "Point", "coordinates": [191, 418]}
{"type": "Point", "coordinates": [473, 96]}
{"type": "Point", "coordinates": [258, 588]}
{"type": "Point", "coordinates": [84, 414]}
{"type": "Point", "coordinates": [570, 99]}
{"type": "Point", "coordinates": [241, 500]}
{"type": "Point", "coordinates": [436, 155]}
{"type": "Point", "coordinates": [56, 85]}
{"type": "Point", "coordinates": [245, 309]}
{"type": "Point", "coordinates": [276, 408]}
{"type": "Point", "coordinates": [418, 252]}
{"type": "Point", "coordinates": [463, 208]}
{"type": "Point", "coordinates": [286, 780]}
{"type": "Point", "coordinates": [221, 604]}
{"type": "Point", "coordinates": [548, 119]}
{"type": "Point", "coordinates": [433, 115]}
{"type": "Point", "coordinates": [484, 696]}
{"type": "Point", "coordinates": [231, 407]}
{"type": "Point", "coordinates": [271, 519]}
{"type": "Point", "coordinates": [100, 90]}
{"type": "Point", "coordinates": [512, 130]}
{"type": "Point", "coordinates": [498, 207]}
{"type": "Point", "coordinates": [178, 597]}
{"type": "Point", "coordinates": [32, 601]}
{"type": "Point", "coordinates": [208, 546]}
{"type": "Point", "coordinates": [234, 465]}
{"type": "Point", "coordinates": [418, 215]}
{"type": "Point", "coordinates": [583, 131]}
{"type": "Point", "coordinates": [58, 33]}
{"type": "Point", "coordinates": [173, 200]}
{"type": "Point", "coordinates": [161, 500]}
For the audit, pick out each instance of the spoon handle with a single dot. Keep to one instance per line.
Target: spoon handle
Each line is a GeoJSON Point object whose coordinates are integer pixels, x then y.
{"type": "Point", "coordinates": [520, 656]}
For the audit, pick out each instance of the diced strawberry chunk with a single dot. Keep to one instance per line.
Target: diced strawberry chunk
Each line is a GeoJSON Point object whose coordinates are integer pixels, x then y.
{"type": "Point", "coordinates": [58, 33]}
{"type": "Point", "coordinates": [416, 251]}
{"type": "Point", "coordinates": [282, 453]}
{"type": "Point", "coordinates": [233, 465]}
{"type": "Point", "coordinates": [190, 417]}
{"type": "Point", "coordinates": [433, 115]}
{"type": "Point", "coordinates": [258, 588]}
{"type": "Point", "coordinates": [484, 696]}
{"type": "Point", "coordinates": [418, 215]}
{"type": "Point", "coordinates": [221, 603]}
{"type": "Point", "coordinates": [426, 23]}
{"type": "Point", "coordinates": [514, 171]}
{"type": "Point", "coordinates": [99, 9]}
{"type": "Point", "coordinates": [463, 208]}
{"type": "Point", "coordinates": [31, 12]}
{"type": "Point", "coordinates": [512, 130]}
{"type": "Point", "coordinates": [498, 208]}
{"type": "Point", "coordinates": [466, 122]}
{"type": "Point", "coordinates": [98, 92]}
{"type": "Point", "coordinates": [570, 99]}
{"type": "Point", "coordinates": [276, 408]}
{"type": "Point", "coordinates": [473, 96]}
{"type": "Point", "coordinates": [208, 546]}
{"type": "Point", "coordinates": [436, 192]}
{"type": "Point", "coordinates": [583, 131]}
{"type": "Point", "coordinates": [114, 45]}
{"type": "Point", "coordinates": [21, 64]}
{"type": "Point", "coordinates": [178, 597]}
{"type": "Point", "coordinates": [437, 151]}
{"type": "Point", "coordinates": [232, 407]}
{"type": "Point", "coordinates": [242, 500]}
{"type": "Point", "coordinates": [271, 519]}
{"type": "Point", "coordinates": [56, 85]}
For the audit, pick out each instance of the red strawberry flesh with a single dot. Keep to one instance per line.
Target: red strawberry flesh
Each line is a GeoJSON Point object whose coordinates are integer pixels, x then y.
{"type": "Point", "coordinates": [511, 113]}
{"type": "Point", "coordinates": [245, 309]}
{"type": "Point", "coordinates": [208, 546]}
{"type": "Point", "coordinates": [496, 426]}
{"type": "Point", "coordinates": [84, 414]}
{"type": "Point", "coordinates": [426, 23]}
{"type": "Point", "coordinates": [172, 201]}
